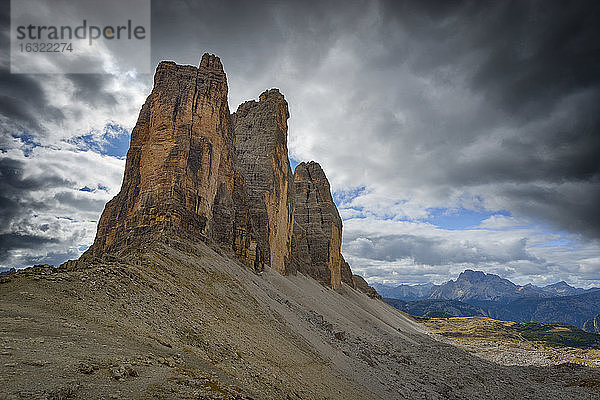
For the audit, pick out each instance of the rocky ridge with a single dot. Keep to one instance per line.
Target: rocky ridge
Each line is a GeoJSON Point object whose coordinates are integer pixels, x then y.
{"type": "Point", "coordinates": [479, 286]}
{"type": "Point", "coordinates": [195, 169]}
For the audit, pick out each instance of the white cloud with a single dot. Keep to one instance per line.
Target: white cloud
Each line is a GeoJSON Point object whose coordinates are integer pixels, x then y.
{"type": "Point", "coordinates": [59, 218]}
{"type": "Point", "coordinates": [394, 252]}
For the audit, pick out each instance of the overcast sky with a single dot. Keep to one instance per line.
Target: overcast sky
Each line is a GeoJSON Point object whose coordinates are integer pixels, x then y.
{"type": "Point", "coordinates": [454, 134]}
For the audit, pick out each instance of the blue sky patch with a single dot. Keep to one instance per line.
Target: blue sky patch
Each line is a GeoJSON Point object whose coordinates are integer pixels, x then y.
{"type": "Point", "coordinates": [29, 142]}
{"type": "Point", "coordinates": [113, 142]}
{"type": "Point", "coordinates": [461, 218]}
{"type": "Point", "coordinates": [89, 189]}
{"type": "Point", "coordinates": [117, 140]}
{"type": "Point", "coordinates": [346, 196]}
{"type": "Point", "coordinates": [293, 163]}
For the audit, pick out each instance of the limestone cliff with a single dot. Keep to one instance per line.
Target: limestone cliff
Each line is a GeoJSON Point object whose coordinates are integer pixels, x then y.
{"type": "Point", "coordinates": [317, 228]}
{"type": "Point", "coordinates": [179, 172]}
{"type": "Point", "coordinates": [262, 155]}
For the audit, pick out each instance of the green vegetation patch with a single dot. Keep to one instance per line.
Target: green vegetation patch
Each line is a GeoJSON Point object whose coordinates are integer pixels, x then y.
{"type": "Point", "coordinates": [557, 334]}
{"type": "Point", "coordinates": [551, 334]}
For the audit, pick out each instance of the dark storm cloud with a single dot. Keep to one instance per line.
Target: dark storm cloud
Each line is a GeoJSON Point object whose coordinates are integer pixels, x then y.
{"type": "Point", "coordinates": [10, 241]}
{"type": "Point", "coordinates": [24, 103]}
{"type": "Point", "coordinates": [14, 190]}
{"type": "Point", "coordinates": [542, 51]}
{"type": "Point", "coordinates": [533, 68]}
{"type": "Point", "coordinates": [252, 38]}
{"type": "Point", "coordinates": [93, 89]}
{"type": "Point", "coordinates": [4, 23]}
{"type": "Point", "coordinates": [535, 59]}
{"type": "Point", "coordinates": [17, 206]}
{"type": "Point", "coordinates": [528, 52]}
{"type": "Point", "coordinates": [22, 100]}
{"type": "Point", "coordinates": [78, 203]}
{"type": "Point", "coordinates": [36, 178]}
{"type": "Point", "coordinates": [580, 202]}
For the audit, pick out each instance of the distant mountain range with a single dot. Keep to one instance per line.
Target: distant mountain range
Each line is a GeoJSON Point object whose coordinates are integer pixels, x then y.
{"type": "Point", "coordinates": [406, 292]}
{"type": "Point", "coordinates": [477, 285]}
{"type": "Point", "coordinates": [476, 293]}
{"type": "Point", "coordinates": [6, 271]}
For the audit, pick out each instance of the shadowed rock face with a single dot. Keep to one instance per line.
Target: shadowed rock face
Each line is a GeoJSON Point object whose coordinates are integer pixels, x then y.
{"type": "Point", "coordinates": [346, 273]}
{"type": "Point", "coordinates": [262, 155]}
{"type": "Point", "coordinates": [179, 172]}
{"type": "Point", "coordinates": [318, 226]}
{"type": "Point", "coordinates": [363, 286]}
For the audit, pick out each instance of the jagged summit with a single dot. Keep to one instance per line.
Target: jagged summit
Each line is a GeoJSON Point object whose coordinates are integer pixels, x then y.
{"type": "Point", "coordinates": [196, 170]}
{"type": "Point", "coordinates": [473, 276]}
{"type": "Point", "coordinates": [210, 61]}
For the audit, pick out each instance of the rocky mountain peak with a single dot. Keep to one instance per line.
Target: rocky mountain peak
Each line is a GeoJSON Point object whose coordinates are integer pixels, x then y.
{"type": "Point", "coordinates": [477, 285]}
{"type": "Point", "coordinates": [561, 284]}
{"type": "Point", "coordinates": [179, 173]}
{"type": "Point", "coordinates": [197, 171]}
{"type": "Point", "coordinates": [272, 95]}
{"type": "Point", "coordinates": [472, 276]}
{"type": "Point", "coordinates": [212, 62]}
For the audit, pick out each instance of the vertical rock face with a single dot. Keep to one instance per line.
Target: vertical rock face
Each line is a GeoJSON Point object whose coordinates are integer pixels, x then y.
{"type": "Point", "coordinates": [179, 171]}
{"type": "Point", "coordinates": [317, 228]}
{"type": "Point", "coordinates": [346, 273]}
{"type": "Point", "coordinates": [262, 160]}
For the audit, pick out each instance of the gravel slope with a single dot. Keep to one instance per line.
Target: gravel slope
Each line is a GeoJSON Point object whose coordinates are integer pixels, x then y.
{"type": "Point", "coordinates": [170, 319]}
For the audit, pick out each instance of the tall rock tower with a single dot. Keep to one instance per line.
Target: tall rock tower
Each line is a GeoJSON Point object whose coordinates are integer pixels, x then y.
{"type": "Point", "coordinates": [318, 227]}
{"type": "Point", "coordinates": [262, 156]}
{"type": "Point", "coordinates": [179, 172]}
